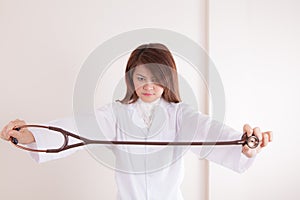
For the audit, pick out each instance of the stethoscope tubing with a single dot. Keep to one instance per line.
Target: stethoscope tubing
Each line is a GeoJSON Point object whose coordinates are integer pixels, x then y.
{"type": "Point", "coordinates": [251, 141]}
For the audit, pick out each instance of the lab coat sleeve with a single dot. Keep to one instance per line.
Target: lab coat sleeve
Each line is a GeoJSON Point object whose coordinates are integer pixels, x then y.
{"type": "Point", "coordinates": [227, 156]}
{"type": "Point", "coordinates": [198, 127]}
{"type": "Point", "coordinates": [45, 139]}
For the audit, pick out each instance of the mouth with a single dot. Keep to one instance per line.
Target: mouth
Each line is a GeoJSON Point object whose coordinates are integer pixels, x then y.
{"type": "Point", "coordinates": [147, 94]}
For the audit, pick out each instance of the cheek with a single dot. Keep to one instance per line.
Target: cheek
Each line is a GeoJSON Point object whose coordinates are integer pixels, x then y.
{"type": "Point", "coordinates": [136, 85]}
{"type": "Point", "coordinates": [159, 90]}
{"type": "Point", "coordinates": [138, 88]}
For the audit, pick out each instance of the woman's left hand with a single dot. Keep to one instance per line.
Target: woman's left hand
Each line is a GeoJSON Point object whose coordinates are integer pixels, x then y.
{"type": "Point", "coordinates": [264, 139]}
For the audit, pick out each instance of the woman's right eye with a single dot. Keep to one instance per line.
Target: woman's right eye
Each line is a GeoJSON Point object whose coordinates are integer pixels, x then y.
{"type": "Point", "coordinates": [139, 78]}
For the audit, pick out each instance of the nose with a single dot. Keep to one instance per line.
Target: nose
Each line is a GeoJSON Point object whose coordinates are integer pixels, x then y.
{"type": "Point", "coordinates": [148, 86]}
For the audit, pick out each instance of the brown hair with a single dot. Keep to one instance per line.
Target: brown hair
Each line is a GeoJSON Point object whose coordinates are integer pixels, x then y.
{"type": "Point", "coordinates": [159, 60]}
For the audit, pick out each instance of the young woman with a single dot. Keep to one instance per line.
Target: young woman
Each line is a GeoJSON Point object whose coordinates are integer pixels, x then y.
{"type": "Point", "coordinates": [152, 111]}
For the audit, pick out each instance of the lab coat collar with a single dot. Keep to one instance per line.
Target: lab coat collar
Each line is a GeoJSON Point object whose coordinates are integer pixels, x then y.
{"type": "Point", "coordinates": [138, 121]}
{"type": "Point", "coordinates": [162, 102]}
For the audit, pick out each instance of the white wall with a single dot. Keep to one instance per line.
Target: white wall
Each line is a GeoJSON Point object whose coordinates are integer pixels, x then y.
{"type": "Point", "coordinates": [42, 46]}
{"type": "Point", "coordinates": [255, 46]}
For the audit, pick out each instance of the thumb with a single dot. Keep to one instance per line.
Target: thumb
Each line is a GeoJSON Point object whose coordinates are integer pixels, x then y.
{"type": "Point", "coordinates": [14, 133]}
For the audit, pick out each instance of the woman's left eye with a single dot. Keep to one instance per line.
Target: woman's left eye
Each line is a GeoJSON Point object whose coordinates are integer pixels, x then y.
{"type": "Point", "coordinates": [154, 80]}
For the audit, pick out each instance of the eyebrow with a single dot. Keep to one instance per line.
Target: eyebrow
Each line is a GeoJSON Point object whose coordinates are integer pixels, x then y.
{"type": "Point", "coordinates": [140, 75]}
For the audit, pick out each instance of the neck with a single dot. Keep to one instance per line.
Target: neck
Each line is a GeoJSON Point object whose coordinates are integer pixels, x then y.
{"type": "Point", "coordinates": [148, 103]}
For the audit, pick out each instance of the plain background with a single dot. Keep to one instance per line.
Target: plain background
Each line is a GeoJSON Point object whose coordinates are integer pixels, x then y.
{"type": "Point", "coordinates": [254, 45]}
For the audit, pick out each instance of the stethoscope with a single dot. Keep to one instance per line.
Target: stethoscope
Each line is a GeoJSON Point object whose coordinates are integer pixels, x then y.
{"type": "Point", "coordinates": [251, 141]}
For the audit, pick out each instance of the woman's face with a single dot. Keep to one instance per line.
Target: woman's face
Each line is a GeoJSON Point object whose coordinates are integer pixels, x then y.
{"type": "Point", "coordinates": [145, 85]}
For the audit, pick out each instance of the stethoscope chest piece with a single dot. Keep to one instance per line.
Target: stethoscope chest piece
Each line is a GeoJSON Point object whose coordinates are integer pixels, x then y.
{"type": "Point", "coordinates": [252, 141]}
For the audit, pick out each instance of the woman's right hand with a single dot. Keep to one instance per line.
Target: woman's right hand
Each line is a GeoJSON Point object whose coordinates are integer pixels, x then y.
{"type": "Point", "coordinates": [24, 136]}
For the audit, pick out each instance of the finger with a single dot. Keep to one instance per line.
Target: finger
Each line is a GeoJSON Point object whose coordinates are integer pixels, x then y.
{"type": "Point", "coordinates": [12, 124]}
{"type": "Point", "coordinates": [247, 129]}
{"type": "Point", "coordinates": [8, 128]}
{"type": "Point", "coordinates": [14, 133]}
{"type": "Point", "coordinates": [245, 150]}
{"type": "Point", "coordinates": [258, 133]}
{"type": "Point", "coordinates": [18, 122]}
{"type": "Point", "coordinates": [15, 123]}
{"type": "Point", "coordinates": [265, 140]}
{"type": "Point", "coordinates": [250, 152]}
{"type": "Point", "coordinates": [3, 133]}
{"type": "Point", "coordinates": [270, 134]}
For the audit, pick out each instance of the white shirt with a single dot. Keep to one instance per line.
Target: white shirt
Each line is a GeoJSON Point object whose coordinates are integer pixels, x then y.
{"type": "Point", "coordinates": [145, 111]}
{"type": "Point", "coordinates": [155, 172]}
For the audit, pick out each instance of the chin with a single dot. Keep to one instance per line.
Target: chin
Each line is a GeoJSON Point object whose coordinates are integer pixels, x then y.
{"type": "Point", "coordinates": [148, 100]}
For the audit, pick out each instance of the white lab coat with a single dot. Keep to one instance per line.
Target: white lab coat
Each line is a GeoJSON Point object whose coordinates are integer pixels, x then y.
{"type": "Point", "coordinates": [154, 172]}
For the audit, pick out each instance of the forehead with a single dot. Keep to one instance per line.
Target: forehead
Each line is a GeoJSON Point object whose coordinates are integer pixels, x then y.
{"type": "Point", "coordinates": [142, 70]}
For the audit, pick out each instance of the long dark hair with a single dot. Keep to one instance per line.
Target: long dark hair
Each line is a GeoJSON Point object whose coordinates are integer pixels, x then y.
{"type": "Point", "coordinates": [159, 60]}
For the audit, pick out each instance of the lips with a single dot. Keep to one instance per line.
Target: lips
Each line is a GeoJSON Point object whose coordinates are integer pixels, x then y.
{"type": "Point", "coordinates": [147, 94]}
